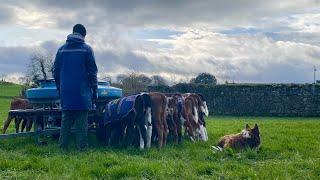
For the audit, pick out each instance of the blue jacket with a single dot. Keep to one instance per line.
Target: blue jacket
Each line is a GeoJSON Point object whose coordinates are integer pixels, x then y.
{"type": "Point", "coordinates": [119, 108]}
{"type": "Point", "coordinates": [75, 73]}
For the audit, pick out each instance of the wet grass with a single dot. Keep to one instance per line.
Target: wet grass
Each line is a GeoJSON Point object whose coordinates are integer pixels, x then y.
{"type": "Point", "coordinates": [290, 150]}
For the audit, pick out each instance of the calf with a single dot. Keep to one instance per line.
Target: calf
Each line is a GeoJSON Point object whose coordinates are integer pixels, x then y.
{"type": "Point", "coordinates": [175, 114]}
{"type": "Point", "coordinates": [159, 123]}
{"type": "Point", "coordinates": [16, 104]}
{"type": "Point", "coordinates": [125, 116]}
{"type": "Point", "coordinates": [199, 109]}
{"type": "Point", "coordinates": [172, 116]}
{"type": "Point", "coordinates": [190, 117]}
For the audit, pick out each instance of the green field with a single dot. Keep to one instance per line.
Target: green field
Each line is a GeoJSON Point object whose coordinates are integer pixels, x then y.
{"type": "Point", "coordinates": [290, 150]}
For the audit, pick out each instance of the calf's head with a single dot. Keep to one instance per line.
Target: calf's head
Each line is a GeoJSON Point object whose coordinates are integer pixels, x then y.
{"type": "Point", "coordinates": [203, 107]}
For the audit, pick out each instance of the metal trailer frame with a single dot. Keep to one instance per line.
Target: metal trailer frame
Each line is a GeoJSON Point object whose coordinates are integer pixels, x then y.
{"type": "Point", "coordinates": [41, 125]}
{"type": "Point", "coordinates": [47, 110]}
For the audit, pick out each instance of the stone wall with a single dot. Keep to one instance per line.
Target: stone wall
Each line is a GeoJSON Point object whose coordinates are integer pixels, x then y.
{"type": "Point", "coordinates": [256, 99]}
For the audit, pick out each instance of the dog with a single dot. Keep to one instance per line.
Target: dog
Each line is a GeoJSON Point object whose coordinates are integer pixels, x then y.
{"type": "Point", "coordinates": [247, 138]}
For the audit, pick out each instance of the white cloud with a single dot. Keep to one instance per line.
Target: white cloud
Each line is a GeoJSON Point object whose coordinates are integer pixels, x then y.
{"type": "Point", "coordinates": [308, 22]}
{"type": "Point", "coordinates": [280, 41]}
{"type": "Point", "coordinates": [238, 57]}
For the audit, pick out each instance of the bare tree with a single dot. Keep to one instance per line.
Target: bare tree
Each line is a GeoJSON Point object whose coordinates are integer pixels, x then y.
{"type": "Point", "coordinates": [40, 66]}
{"type": "Point", "coordinates": [135, 83]}
{"type": "Point", "coordinates": [106, 78]}
{"type": "Point", "coordinates": [2, 77]}
{"type": "Point", "coordinates": [121, 77]}
{"type": "Point", "coordinates": [158, 80]}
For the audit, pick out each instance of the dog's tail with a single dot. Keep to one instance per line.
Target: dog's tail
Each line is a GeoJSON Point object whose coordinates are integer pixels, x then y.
{"type": "Point", "coordinates": [217, 148]}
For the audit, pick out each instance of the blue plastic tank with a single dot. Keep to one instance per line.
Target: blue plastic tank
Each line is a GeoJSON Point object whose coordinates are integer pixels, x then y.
{"type": "Point", "coordinates": [47, 92]}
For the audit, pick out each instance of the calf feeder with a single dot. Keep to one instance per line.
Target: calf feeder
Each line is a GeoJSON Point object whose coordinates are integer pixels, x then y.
{"type": "Point", "coordinates": [46, 112]}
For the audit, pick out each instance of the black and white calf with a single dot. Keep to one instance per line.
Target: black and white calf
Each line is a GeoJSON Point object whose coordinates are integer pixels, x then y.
{"type": "Point", "coordinates": [127, 119]}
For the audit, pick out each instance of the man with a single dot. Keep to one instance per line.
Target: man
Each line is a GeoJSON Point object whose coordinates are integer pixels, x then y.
{"type": "Point", "coordinates": [75, 73]}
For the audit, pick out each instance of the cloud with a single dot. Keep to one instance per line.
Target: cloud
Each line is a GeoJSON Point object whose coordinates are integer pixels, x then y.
{"type": "Point", "coordinates": [246, 41]}
{"type": "Point", "coordinates": [241, 57]}
{"type": "Point", "coordinates": [110, 62]}
{"type": "Point", "coordinates": [13, 59]}
{"type": "Point", "coordinates": [141, 13]}
{"type": "Point", "coordinates": [7, 15]}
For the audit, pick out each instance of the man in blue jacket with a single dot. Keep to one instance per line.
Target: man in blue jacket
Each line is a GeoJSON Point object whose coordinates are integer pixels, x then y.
{"type": "Point", "coordinates": [75, 73]}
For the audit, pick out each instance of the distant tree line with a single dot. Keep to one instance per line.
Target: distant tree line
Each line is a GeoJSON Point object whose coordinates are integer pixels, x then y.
{"type": "Point", "coordinates": [40, 65]}
{"type": "Point", "coordinates": [135, 83]}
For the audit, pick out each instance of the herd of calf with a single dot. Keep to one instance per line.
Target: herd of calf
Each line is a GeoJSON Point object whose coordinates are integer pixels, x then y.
{"type": "Point", "coordinates": [156, 117]}
{"type": "Point", "coordinates": [144, 118]}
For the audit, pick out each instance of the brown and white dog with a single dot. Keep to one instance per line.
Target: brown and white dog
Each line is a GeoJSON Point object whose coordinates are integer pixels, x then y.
{"type": "Point", "coordinates": [19, 103]}
{"type": "Point", "coordinates": [247, 138]}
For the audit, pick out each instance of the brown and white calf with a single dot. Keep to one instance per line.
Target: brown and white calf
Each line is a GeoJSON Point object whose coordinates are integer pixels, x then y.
{"type": "Point", "coordinates": [159, 123]}
{"type": "Point", "coordinates": [19, 103]}
{"type": "Point", "coordinates": [190, 117]}
{"type": "Point", "coordinates": [199, 110]}
{"type": "Point", "coordinates": [173, 117]}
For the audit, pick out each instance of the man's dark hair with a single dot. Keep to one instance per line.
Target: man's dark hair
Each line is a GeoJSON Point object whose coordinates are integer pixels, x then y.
{"type": "Point", "coordinates": [79, 28]}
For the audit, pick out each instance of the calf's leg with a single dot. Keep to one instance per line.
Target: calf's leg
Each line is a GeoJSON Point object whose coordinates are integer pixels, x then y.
{"type": "Point", "coordinates": [165, 129]}
{"type": "Point", "coordinates": [17, 123]}
{"type": "Point", "coordinates": [6, 124]}
{"type": "Point", "coordinates": [159, 127]}
{"type": "Point", "coordinates": [29, 124]}
{"type": "Point", "coordinates": [24, 123]}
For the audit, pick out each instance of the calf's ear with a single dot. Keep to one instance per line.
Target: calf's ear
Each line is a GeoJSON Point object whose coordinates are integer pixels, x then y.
{"type": "Point", "coordinates": [256, 129]}
{"type": "Point", "coordinates": [247, 127]}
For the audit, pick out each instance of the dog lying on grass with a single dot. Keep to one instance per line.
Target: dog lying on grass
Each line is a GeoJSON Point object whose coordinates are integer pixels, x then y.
{"type": "Point", "coordinates": [247, 138]}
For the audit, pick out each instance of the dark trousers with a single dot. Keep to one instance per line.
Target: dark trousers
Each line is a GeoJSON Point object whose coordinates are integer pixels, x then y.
{"type": "Point", "coordinates": [80, 121]}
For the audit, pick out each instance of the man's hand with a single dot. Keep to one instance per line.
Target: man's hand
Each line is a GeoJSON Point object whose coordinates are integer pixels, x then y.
{"type": "Point", "coordinates": [94, 94]}
{"type": "Point", "coordinates": [58, 88]}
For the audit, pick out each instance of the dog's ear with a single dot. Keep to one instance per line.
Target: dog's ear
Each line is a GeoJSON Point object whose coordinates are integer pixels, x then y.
{"type": "Point", "coordinates": [256, 126]}
{"type": "Point", "coordinates": [247, 127]}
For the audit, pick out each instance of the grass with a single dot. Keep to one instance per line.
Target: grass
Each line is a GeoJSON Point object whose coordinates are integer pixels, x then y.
{"type": "Point", "coordinates": [290, 150]}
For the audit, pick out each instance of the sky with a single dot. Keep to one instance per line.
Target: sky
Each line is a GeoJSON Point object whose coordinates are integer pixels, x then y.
{"type": "Point", "coordinates": [245, 41]}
